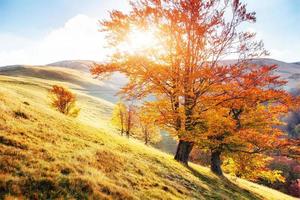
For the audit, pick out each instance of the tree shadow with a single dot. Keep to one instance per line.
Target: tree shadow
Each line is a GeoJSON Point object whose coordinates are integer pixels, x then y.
{"type": "Point", "coordinates": [223, 186]}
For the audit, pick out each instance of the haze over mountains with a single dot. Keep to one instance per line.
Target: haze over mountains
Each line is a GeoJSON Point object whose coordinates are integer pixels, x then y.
{"type": "Point", "coordinates": [288, 71]}
{"type": "Point", "coordinates": [74, 72]}
{"type": "Point", "coordinates": [77, 73]}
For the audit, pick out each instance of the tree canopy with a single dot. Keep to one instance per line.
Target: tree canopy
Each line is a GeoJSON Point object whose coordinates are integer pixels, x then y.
{"type": "Point", "coordinates": [202, 99]}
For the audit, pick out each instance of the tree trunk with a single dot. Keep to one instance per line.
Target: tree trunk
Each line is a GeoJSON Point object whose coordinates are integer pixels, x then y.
{"type": "Point", "coordinates": [129, 122]}
{"type": "Point", "coordinates": [183, 151]}
{"type": "Point", "coordinates": [184, 148]}
{"type": "Point", "coordinates": [122, 131]}
{"type": "Point", "coordinates": [215, 164]}
{"type": "Point", "coordinates": [146, 136]}
{"type": "Point", "coordinates": [122, 122]}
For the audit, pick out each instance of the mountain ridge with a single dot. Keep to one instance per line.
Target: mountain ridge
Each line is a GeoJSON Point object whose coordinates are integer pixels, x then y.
{"type": "Point", "coordinates": [287, 71]}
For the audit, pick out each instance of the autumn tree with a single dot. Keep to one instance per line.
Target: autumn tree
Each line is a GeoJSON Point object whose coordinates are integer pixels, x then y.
{"type": "Point", "coordinates": [247, 119]}
{"type": "Point", "coordinates": [248, 123]}
{"type": "Point", "coordinates": [124, 118]}
{"type": "Point", "coordinates": [181, 65]}
{"type": "Point", "coordinates": [255, 133]}
{"type": "Point", "coordinates": [292, 147]}
{"type": "Point", "coordinates": [138, 122]}
{"type": "Point", "coordinates": [130, 119]}
{"type": "Point", "coordinates": [63, 100]}
{"type": "Point", "coordinates": [148, 130]}
{"type": "Point", "coordinates": [252, 167]}
{"type": "Point", "coordinates": [118, 116]}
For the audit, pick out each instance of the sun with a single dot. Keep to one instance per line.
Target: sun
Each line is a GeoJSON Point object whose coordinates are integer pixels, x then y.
{"type": "Point", "coordinates": [139, 40]}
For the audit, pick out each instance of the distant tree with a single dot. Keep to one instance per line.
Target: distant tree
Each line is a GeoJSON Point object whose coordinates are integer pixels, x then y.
{"type": "Point", "coordinates": [293, 119]}
{"type": "Point", "coordinates": [138, 122]}
{"type": "Point", "coordinates": [291, 149]}
{"type": "Point", "coordinates": [130, 120]}
{"type": "Point", "coordinates": [290, 170]}
{"type": "Point", "coordinates": [124, 118]}
{"type": "Point", "coordinates": [118, 116]}
{"type": "Point", "coordinates": [148, 129]}
{"type": "Point", "coordinates": [252, 167]}
{"type": "Point", "coordinates": [63, 100]}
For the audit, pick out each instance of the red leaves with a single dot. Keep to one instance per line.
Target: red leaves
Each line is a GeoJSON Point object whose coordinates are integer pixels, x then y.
{"type": "Point", "coordinates": [63, 100]}
{"type": "Point", "coordinates": [197, 95]}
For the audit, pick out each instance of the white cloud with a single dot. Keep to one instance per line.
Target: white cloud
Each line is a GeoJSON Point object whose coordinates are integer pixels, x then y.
{"type": "Point", "coordinates": [79, 38]}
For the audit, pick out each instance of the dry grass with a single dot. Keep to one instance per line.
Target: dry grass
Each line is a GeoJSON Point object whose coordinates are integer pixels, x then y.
{"type": "Point", "coordinates": [94, 111]}
{"type": "Point", "coordinates": [47, 155]}
{"type": "Point", "coordinates": [52, 73]}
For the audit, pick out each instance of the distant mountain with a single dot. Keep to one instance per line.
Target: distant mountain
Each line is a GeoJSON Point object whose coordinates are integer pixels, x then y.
{"type": "Point", "coordinates": [112, 84]}
{"type": "Point", "coordinates": [73, 73]}
{"type": "Point", "coordinates": [80, 65]}
{"type": "Point", "coordinates": [77, 72]}
{"type": "Point", "coordinates": [48, 73]}
{"type": "Point", "coordinates": [287, 71]}
{"type": "Point", "coordinates": [297, 63]}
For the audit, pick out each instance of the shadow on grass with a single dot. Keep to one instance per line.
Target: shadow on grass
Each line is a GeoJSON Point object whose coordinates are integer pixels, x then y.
{"type": "Point", "coordinates": [222, 187]}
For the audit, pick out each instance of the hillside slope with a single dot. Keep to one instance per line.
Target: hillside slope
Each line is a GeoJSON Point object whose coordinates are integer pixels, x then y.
{"type": "Point", "coordinates": [80, 65]}
{"type": "Point", "coordinates": [76, 77]}
{"type": "Point", "coordinates": [94, 111]}
{"type": "Point", "coordinates": [45, 155]}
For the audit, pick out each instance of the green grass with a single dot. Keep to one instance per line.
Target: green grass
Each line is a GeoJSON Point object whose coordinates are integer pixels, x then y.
{"type": "Point", "coordinates": [46, 155]}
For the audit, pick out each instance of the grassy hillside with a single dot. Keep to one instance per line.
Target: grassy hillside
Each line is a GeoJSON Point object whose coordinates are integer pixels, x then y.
{"type": "Point", "coordinates": [94, 111]}
{"type": "Point", "coordinates": [45, 155]}
{"type": "Point", "coordinates": [77, 78]}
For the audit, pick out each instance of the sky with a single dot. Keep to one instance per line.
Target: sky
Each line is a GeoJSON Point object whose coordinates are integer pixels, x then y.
{"type": "Point", "coordinates": [38, 32]}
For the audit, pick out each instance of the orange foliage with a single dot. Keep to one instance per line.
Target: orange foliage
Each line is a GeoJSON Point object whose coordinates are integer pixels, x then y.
{"type": "Point", "coordinates": [138, 122]}
{"type": "Point", "coordinates": [148, 129]}
{"type": "Point", "coordinates": [63, 100]}
{"type": "Point", "coordinates": [124, 118]}
{"type": "Point", "coordinates": [252, 167]}
{"type": "Point", "coordinates": [201, 100]}
{"type": "Point", "coordinates": [119, 117]}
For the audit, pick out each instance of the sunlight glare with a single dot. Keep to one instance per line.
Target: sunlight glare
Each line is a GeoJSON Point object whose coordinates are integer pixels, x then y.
{"type": "Point", "coordinates": [139, 40]}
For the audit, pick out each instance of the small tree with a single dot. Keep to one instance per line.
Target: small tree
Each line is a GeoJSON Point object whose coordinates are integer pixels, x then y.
{"type": "Point", "coordinates": [118, 117]}
{"type": "Point", "coordinates": [63, 101]}
{"type": "Point", "coordinates": [147, 130]}
{"type": "Point", "coordinates": [129, 120]}
{"type": "Point", "coordinates": [253, 167]}
{"type": "Point", "coordinates": [123, 118]}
